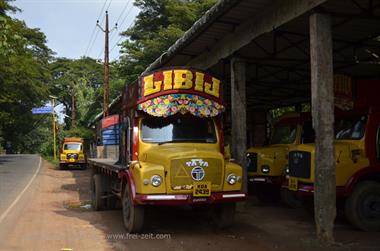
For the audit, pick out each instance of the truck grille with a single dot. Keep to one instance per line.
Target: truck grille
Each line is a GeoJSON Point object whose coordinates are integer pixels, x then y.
{"type": "Point", "coordinates": [72, 156]}
{"type": "Point", "coordinates": [299, 164]}
{"type": "Point", "coordinates": [252, 162]}
{"type": "Point", "coordinates": [181, 172]}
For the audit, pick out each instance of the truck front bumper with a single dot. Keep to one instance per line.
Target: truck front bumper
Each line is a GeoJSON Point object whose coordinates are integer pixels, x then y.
{"type": "Point", "coordinates": [68, 162]}
{"type": "Point", "coordinates": [188, 199]}
{"type": "Point", "coordinates": [305, 190]}
{"type": "Point", "coordinates": [271, 180]}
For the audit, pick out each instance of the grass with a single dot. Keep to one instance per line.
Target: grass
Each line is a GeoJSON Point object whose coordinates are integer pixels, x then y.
{"type": "Point", "coordinates": [51, 160]}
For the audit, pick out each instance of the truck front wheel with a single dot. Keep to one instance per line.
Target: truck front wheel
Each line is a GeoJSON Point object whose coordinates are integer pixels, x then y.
{"type": "Point", "coordinates": [97, 192]}
{"type": "Point", "coordinates": [133, 215]}
{"type": "Point", "coordinates": [223, 214]}
{"type": "Point", "coordinates": [363, 206]}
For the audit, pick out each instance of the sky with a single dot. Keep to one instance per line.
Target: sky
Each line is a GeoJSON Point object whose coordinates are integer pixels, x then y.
{"type": "Point", "coordinates": [70, 25]}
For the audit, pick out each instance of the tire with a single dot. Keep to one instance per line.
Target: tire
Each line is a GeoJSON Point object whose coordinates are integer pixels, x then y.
{"type": "Point", "coordinates": [290, 199]}
{"type": "Point", "coordinates": [97, 193]}
{"type": "Point", "coordinates": [133, 215]}
{"type": "Point", "coordinates": [223, 214]}
{"type": "Point", "coordinates": [83, 166]}
{"type": "Point", "coordinates": [362, 208]}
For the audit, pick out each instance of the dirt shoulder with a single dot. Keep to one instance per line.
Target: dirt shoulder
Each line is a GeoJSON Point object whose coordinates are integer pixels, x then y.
{"type": "Point", "coordinates": [50, 217]}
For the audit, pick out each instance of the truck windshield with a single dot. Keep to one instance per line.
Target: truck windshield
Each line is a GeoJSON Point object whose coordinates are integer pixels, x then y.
{"type": "Point", "coordinates": [350, 128]}
{"type": "Point", "coordinates": [178, 129]}
{"type": "Point", "coordinates": [75, 147]}
{"type": "Point", "coordinates": [284, 134]}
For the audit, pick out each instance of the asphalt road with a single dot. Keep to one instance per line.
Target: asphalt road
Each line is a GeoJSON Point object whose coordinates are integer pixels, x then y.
{"type": "Point", "coordinates": [16, 172]}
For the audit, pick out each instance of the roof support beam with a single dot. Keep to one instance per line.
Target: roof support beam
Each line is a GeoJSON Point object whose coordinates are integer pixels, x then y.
{"type": "Point", "coordinates": [322, 103]}
{"type": "Point", "coordinates": [239, 114]}
{"type": "Point", "coordinates": [279, 13]}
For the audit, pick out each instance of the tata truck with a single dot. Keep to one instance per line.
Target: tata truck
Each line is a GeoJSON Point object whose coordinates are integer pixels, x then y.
{"type": "Point", "coordinates": [72, 154]}
{"type": "Point", "coordinates": [357, 160]}
{"type": "Point", "coordinates": [266, 165]}
{"type": "Point", "coordinates": [171, 150]}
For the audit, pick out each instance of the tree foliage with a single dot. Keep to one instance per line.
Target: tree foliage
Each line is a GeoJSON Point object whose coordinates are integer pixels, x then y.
{"type": "Point", "coordinates": [158, 25]}
{"type": "Point", "coordinates": [24, 76]}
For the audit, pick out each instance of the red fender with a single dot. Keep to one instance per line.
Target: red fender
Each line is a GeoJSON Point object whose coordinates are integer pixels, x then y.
{"type": "Point", "coordinates": [354, 179]}
{"type": "Point", "coordinates": [130, 182]}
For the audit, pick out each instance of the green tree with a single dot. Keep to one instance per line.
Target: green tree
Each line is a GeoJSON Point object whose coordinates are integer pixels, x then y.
{"type": "Point", "coordinates": [24, 77]}
{"type": "Point", "coordinates": [77, 84]}
{"type": "Point", "coordinates": [158, 25]}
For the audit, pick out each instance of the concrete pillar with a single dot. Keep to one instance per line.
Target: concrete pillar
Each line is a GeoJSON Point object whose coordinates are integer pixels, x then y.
{"type": "Point", "coordinates": [322, 97]}
{"type": "Point", "coordinates": [239, 114]}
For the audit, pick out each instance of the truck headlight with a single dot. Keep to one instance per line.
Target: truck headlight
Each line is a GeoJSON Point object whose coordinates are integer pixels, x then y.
{"type": "Point", "coordinates": [156, 180]}
{"type": "Point", "coordinates": [287, 171]}
{"type": "Point", "coordinates": [265, 169]}
{"type": "Point", "coordinates": [232, 179]}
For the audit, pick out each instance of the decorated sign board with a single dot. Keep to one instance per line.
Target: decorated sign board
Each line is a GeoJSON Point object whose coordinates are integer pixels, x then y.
{"type": "Point", "coordinates": [178, 90]}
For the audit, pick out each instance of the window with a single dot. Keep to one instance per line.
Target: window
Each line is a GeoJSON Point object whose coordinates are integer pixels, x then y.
{"type": "Point", "coordinates": [178, 129]}
{"type": "Point", "coordinates": [284, 134]}
{"type": "Point", "coordinates": [350, 128]}
{"type": "Point", "coordinates": [72, 146]}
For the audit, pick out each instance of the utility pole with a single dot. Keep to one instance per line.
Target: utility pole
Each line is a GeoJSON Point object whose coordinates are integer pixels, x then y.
{"type": "Point", "coordinates": [53, 98]}
{"type": "Point", "coordinates": [106, 94]}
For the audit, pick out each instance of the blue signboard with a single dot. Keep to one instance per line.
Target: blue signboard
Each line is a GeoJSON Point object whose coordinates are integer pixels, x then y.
{"type": "Point", "coordinates": [111, 135]}
{"type": "Point", "coordinates": [42, 110]}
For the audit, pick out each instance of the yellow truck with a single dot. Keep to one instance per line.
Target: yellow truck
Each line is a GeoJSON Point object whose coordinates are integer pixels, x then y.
{"type": "Point", "coordinates": [172, 150]}
{"type": "Point", "coordinates": [357, 156]}
{"type": "Point", "coordinates": [72, 153]}
{"type": "Point", "coordinates": [266, 165]}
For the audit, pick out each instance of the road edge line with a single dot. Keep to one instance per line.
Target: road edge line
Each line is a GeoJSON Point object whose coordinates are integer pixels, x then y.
{"type": "Point", "coordinates": [5, 214]}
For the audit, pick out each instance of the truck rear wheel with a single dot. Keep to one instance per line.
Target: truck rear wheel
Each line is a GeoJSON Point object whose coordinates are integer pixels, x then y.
{"type": "Point", "coordinates": [363, 206]}
{"type": "Point", "coordinates": [133, 215]}
{"type": "Point", "coordinates": [223, 214]}
{"type": "Point", "coordinates": [97, 192]}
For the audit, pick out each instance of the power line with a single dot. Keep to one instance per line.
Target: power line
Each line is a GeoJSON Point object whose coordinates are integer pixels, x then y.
{"type": "Point", "coordinates": [118, 19]}
{"type": "Point", "coordinates": [122, 22]}
{"type": "Point", "coordinates": [109, 5]}
{"type": "Point", "coordinates": [113, 47]}
{"type": "Point", "coordinates": [93, 31]}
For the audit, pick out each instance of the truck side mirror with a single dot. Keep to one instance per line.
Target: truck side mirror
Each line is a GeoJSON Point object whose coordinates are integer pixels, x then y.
{"type": "Point", "coordinates": [227, 152]}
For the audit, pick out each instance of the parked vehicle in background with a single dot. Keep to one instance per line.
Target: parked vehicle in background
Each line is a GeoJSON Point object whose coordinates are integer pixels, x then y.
{"type": "Point", "coordinates": [72, 153]}
{"type": "Point", "coordinates": [172, 150]}
{"type": "Point", "coordinates": [357, 155]}
{"type": "Point", "coordinates": [266, 165]}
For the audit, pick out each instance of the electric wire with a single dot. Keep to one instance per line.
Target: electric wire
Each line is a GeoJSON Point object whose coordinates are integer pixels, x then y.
{"type": "Point", "coordinates": [93, 31]}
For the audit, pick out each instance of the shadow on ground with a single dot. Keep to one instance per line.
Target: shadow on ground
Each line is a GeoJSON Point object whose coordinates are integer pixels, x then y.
{"type": "Point", "coordinates": [258, 226]}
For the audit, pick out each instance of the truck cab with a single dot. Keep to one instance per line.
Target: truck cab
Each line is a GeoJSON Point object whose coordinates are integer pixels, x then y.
{"type": "Point", "coordinates": [266, 165]}
{"type": "Point", "coordinates": [72, 153]}
{"type": "Point", "coordinates": [357, 151]}
{"type": "Point", "coordinates": [172, 149]}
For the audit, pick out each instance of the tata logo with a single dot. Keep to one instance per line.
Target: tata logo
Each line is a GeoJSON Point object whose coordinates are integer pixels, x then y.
{"type": "Point", "coordinates": [198, 173]}
{"type": "Point", "coordinates": [197, 162]}
{"type": "Point", "coordinates": [297, 157]}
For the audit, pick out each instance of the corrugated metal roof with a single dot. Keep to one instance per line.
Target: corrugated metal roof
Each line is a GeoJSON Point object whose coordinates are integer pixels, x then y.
{"type": "Point", "coordinates": [279, 69]}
